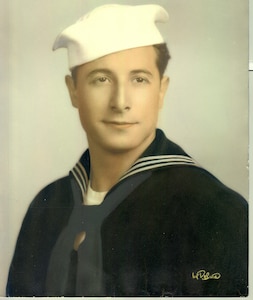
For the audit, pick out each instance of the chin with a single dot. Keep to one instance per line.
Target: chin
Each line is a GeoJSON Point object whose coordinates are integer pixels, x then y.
{"type": "Point", "coordinates": [120, 149]}
{"type": "Point", "coordinates": [128, 144]}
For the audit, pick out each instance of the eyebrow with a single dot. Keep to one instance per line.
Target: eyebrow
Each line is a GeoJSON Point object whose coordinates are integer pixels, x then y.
{"type": "Point", "coordinates": [138, 71]}
{"type": "Point", "coordinates": [95, 71]}
{"type": "Point", "coordinates": [109, 72]}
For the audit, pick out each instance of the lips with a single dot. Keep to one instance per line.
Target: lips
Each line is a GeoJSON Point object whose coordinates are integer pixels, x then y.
{"type": "Point", "coordinates": [120, 124]}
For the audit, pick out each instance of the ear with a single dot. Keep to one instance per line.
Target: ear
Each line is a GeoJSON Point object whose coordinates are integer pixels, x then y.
{"type": "Point", "coordinates": [163, 88]}
{"type": "Point", "coordinates": [72, 90]}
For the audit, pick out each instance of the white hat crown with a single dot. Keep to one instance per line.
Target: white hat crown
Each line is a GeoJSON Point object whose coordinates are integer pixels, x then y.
{"type": "Point", "coordinates": [111, 28]}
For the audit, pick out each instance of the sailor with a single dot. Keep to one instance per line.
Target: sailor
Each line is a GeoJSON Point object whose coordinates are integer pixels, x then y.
{"type": "Point", "coordinates": [136, 216]}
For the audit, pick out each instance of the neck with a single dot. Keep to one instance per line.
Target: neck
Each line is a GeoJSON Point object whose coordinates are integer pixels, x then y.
{"type": "Point", "coordinates": [107, 167]}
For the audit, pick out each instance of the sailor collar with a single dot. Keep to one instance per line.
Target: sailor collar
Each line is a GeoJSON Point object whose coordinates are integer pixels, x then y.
{"type": "Point", "coordinates": [160, 154]}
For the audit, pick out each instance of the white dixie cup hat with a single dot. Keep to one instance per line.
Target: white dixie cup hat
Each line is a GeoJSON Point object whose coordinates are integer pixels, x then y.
{"type": "Point", "coordinates": [111, 28]}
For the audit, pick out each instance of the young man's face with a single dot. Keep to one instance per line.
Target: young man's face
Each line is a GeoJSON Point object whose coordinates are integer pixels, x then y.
{"type": "Point", "coordinates": [118, 98]}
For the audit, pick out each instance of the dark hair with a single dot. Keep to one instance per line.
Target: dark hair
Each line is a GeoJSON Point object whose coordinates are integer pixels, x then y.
{"type": "Point", "coordinates": [163, 56]}
{"type": "Point", "coordinates": [162, 60]}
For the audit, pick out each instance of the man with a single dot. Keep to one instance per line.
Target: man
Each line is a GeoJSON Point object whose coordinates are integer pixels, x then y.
{"type": "Point", "coordinates": [136, 216]}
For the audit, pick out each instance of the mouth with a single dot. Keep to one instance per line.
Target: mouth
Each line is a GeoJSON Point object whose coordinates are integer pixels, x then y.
{"type": "Point", "coordinates": [120, 124]}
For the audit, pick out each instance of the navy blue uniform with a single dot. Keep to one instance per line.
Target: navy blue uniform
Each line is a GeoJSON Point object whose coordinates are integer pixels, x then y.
{"type": "Point", "coordinates": [167, 228]}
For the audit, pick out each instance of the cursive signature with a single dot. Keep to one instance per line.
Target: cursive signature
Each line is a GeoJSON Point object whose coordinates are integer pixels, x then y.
{"type": "Point", "coordinates": [204, 275]}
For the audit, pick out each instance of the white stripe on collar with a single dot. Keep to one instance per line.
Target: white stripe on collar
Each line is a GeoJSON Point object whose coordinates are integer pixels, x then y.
{"type": "Point", "coordinates": [141, 165]}
{"type": "Point", "coordinates": [81, 177]}
{"type": "Point", "coordinates": [158, 161]}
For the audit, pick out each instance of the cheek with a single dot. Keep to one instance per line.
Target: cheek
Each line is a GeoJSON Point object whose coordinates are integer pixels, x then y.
{"type": "Point", "coordinates": [151, 110]}
{"type": "Point", "coordinates": [91, 109]}
{"type": "Point", "coordinates": [91, 99]}
{"type": "Point", "coordinates": [151, 102]}
{"type": "Point", "coordinates": [87, 103]}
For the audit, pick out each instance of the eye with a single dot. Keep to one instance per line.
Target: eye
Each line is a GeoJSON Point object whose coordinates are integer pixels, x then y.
{"type": "Point", "coordinates": [140, 80]}
{"type": "Point", "coordinates": [101, 80]}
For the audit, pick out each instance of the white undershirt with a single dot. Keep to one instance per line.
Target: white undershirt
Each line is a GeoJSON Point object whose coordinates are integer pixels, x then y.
{"type": "Point", "coordinates": [92, 197]}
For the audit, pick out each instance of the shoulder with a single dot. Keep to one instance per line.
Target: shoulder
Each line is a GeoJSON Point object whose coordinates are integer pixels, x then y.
{"type": "Point", "coordinates": [53, 203]}
{"type": "Point", "coordinates": [57, 193]}
{"type": "Point", "coordinates": [48, 212]}
{"type": "Point", "coordinates": [191, 179]}
{"type": "Point", "coordinates": [190, 188]}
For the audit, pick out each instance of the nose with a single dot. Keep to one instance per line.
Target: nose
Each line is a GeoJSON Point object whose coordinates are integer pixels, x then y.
{"type": "Point", "coordinates": [120, 101]}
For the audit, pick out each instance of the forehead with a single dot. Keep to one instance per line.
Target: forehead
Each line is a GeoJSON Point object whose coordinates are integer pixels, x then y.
{"type": "Point", "coordinates": [136, 58]}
